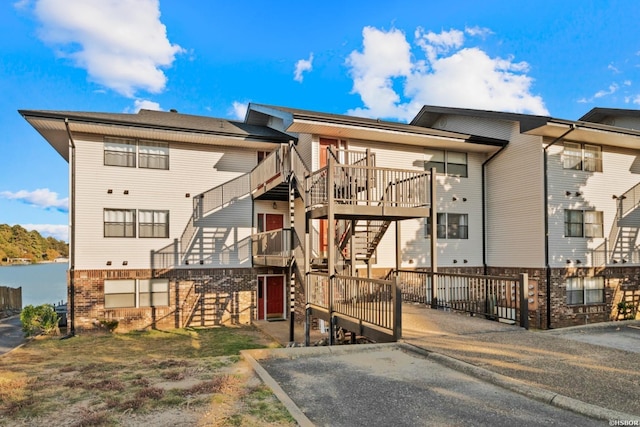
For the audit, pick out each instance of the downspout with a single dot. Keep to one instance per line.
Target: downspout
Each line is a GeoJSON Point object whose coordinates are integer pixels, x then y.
{"type": "Point", "coordinates": [72, 236]}
{"type": "Point", "coordinates": [484, 214]}
{"type": "Point", "coordinates": [546, 220]}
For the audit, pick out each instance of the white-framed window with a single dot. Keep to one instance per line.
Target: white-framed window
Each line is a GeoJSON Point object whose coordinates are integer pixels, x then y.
{"type": "Point", "coordinates": [133, 293]}
{"type": "Point", "coordinates": [583, 223]}
{"type": "Point", "coordinates": [153, 223]}
{"type": "Point", "coordinates": [446, 162]}
{"type": "Point", "coordinates": [119, 223]}
{"type": "Point", "coordinates": [153, 155]}
{"type": "Point", "coordinates": [585, 290]}
{"type": "Point", "coordinates": [584, 157]}
{"type": "Point", "coordinates": [120, 152]}
{"type": "Point", "coordinates": [130, 152]}
{"type": "Point", "coordinates": [450, 226]}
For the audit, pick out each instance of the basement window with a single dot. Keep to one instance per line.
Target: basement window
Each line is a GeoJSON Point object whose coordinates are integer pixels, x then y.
{"type": "Point", "coordinates": [132, 293]}
{"type": "Point", "coordinates": [585, 290]}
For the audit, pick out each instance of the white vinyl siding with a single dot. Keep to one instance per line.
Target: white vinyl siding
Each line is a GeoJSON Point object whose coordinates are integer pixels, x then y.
{"type": "Point", "coordinates": [587, 191]}
{"type": "Point", "coordinates": [454, 195]}
{"type": "Point", "coordinates": [195, 168]}
{"type": "Point", "coordinates": [515, 204]}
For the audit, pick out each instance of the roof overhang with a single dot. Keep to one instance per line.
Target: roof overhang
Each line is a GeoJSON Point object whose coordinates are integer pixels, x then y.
{"type": "Point", "coordinates": [358, 128]}
{"type": "Point", "coordinates": [53, 127]}
{"type": "Point", "coordinates": [589, 133]}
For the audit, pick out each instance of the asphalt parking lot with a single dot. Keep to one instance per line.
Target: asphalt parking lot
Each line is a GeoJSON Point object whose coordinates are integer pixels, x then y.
{"type": "Point", "coordinates": [621, 336]}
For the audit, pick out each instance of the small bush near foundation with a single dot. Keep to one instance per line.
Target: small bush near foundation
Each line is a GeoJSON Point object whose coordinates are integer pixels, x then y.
{"type": "Point", "coordinates": [39, 319]}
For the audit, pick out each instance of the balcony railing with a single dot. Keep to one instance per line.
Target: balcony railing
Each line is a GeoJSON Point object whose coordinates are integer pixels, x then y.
{"type": "Point", "coordinates": [371, 186]}
{"type": "Point", "coordinates": [368, 300]}
{"type": "Point", "coordinates": [492, 296]}
{"type": "Point", "coordinates": [272, 247]}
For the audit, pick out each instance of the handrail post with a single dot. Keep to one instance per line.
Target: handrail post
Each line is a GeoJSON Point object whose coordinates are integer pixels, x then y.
{"type": "Point", "coordinates": [331, 234]}
{"type": "Point", "coordinates": [397, 308]}
{"type": "Point", "coordinates": [434, 241]}
{"type": "Point", "coordinates": [524, 300]}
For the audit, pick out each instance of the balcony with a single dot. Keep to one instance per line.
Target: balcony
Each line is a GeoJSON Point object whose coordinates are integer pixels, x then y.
{"type": "Point", "coordinates": [272, 248]}
{"type": "Point", "coordinates": [359, 190]}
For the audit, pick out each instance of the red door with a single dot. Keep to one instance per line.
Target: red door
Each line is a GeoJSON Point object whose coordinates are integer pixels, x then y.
{"type": "Point", "coordinates": [270, 222]}
{"type": "Point", "coordinates": [324, 143]}
{"type": "Point", "coordinates": [275, 297]}
{"type": "Point", "coordinates": [270, 297]}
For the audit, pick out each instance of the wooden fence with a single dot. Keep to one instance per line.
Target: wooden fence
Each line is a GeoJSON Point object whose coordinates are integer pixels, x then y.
{"type": "Point", "coordinates": [10, 298]}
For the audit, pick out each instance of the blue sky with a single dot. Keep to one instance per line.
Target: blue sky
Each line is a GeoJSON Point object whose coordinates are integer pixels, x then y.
{"type": "Point", "coordinates": [369, 58]}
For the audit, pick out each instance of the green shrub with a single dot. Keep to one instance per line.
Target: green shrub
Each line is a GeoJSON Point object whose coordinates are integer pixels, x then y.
{"type": "Point", "coordinates": [39, 319]}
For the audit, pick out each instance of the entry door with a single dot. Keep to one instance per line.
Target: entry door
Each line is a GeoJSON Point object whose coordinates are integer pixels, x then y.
{"type": "Point", "coordinates": [270, 222]}
{"type": "Point", "coordinates": [324, 143]}
{"type": "Point", "coordinates": [270, 297]}
{"type": "Point", "coordinates": [275, 297]}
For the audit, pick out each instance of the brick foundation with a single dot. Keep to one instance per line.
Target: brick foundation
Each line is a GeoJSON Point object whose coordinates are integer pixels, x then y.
{"type": "Point", "coordinates": [197, 297]}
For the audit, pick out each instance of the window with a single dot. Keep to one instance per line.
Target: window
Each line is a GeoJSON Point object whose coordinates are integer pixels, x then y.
{"type": "Point", "coordinates": [120, 152]}
{"type": "Point", "coordinates": [119, 223]}
{"type": "Point", "coordinates": [582, 157]}
{"type": "Point", "coordinates": [153, 292]}
{"type": "Point", "coordinates": [124, 152]}
{"type": "Point", "coordinates": [132, 293]}
{"type": "Point", "coordinates": [153, 155]}
{"type": "Point", "coordinates": [582, 223]}
{"type": "Point", "coordinates": [153, 223]}
{"type": "Point", "coordinates": [119, 293]}
{"type": "Point", "coordinates": [450, 226]}
{"type": "Point", "coordinates": [585, 290]}
{"type": "Point", "coordinates": [446, 162]}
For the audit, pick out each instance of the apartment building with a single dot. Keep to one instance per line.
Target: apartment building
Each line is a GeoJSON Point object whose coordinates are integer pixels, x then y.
{"type": "Point", "coordinates": [181, 220]}
{"type": "Point", "coordinates": [561, 204]}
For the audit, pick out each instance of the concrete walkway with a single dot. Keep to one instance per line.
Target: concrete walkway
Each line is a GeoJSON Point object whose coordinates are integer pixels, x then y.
{"type": "Point", "coordinates": [11, 335]}
{"type": "Point", "coordinates": [594, 376]}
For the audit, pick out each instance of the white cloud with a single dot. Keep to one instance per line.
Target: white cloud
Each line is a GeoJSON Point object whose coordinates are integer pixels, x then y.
{"type": "Point", "coordinates": [60, 232]}
{"type": "Point", "coordinates": [302, 66]}
{"type": "Point", "coordinates": [478, 31]}
{"type": "Point", "coordinates": [239, 110]}
{"type": "Point", "coordinates": [41, 198]}
{"type": "Point", "coordinates": [122, 44]}
{"type": "Point", "coordinates": [449, 75]}
{"type": "Point", "coordinates": [610, 91]}
{"type": "Point", "coordinates": [145, 104]}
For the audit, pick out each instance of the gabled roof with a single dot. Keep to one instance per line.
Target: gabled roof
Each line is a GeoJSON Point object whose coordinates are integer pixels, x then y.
{"type": "Point", "coordinates": [146, 124]}
{"type": "Point", "coordinates": [342, 126]}
{"type": "Point", "coordinates": [545, 126]}
{"type": "Point", "coordinates": [601, 115]}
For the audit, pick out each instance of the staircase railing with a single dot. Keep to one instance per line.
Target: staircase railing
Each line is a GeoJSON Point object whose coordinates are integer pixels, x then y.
{"type": "Point", "coordinates": [271, 167]}
{"type": "Point", "coordinates": [214, 198]}
{"type": "Point", "coordinates": [629, 200]}
{"type": "Point", "coordinates": [221, 195]}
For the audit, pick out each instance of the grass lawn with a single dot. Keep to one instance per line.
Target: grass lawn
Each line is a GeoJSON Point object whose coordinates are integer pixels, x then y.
{"type": "Point", "coordinates": [159, 378]}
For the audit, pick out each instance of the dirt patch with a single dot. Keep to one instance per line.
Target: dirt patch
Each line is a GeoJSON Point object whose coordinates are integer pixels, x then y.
{"type": "Point", "coordinates": [159, 378]}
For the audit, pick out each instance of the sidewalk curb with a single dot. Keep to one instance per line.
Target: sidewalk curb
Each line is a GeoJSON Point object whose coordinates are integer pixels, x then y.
{"type": "Point", "coordinates": [517, 386]}
{"type": "Point", "coordinates": [282, 396]}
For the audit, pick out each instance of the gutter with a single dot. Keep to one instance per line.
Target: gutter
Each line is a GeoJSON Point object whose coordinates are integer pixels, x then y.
{"type": "Point", "coordinates": [547, 267]}
{"type": "Point", "coordinates": [72, 234]}
{"type": "Point", "coordinates": [484, 215]}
